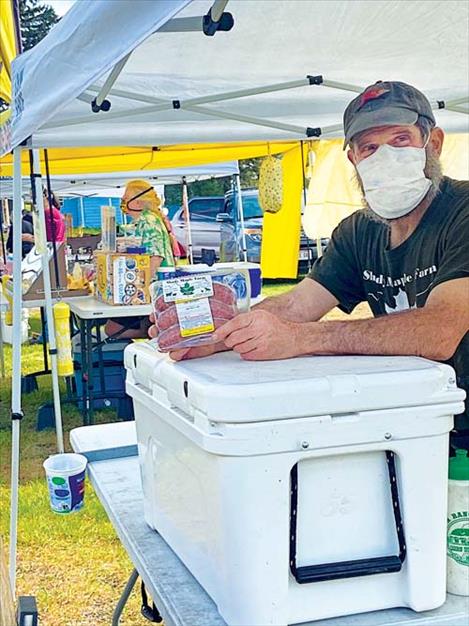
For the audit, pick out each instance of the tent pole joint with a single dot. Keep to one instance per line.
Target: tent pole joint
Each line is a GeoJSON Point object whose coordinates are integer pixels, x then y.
{"type": "Point", "coordinates": [313, 132]}
{"type": "Point", "coordinates": [315, 80]}
{"type": "Point", "coordinates": [104, 106]}
{"type": "Point", "coordinates": [441, 104]}
{"type": "Point", "coordinates": [18, 415]}
{"type": "Point", "coordinates": [210, 26]}
{"type": "Point", "coordinates": [176, 104]}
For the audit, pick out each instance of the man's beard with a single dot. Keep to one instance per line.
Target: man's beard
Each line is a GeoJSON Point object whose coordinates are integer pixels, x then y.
{"type": "Point", "coordinates": [433, 171]}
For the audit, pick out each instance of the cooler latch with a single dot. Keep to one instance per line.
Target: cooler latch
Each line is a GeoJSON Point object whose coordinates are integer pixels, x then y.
{"type": "Point", "coordinates": [347, 569]}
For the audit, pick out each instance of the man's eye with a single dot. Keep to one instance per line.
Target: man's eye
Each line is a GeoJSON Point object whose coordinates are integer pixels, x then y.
{"type": "Point", "coordinates": [368, 149]}
{"type": "Point", "coordinates": [401, 139]}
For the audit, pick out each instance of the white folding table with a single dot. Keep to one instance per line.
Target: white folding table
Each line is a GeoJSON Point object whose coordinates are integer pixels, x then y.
{"type": "Point", "coordinates": [89, 312]}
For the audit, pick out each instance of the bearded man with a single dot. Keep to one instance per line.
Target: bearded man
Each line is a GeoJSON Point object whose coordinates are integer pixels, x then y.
{"type": "Point", "coordinates": [406, 253]}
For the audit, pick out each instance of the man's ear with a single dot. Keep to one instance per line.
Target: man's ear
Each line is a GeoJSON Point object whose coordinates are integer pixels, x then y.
{"type": "Point", "coordinates": [351, 156]}
{"type": "Point", "coordinates": [437, 137]}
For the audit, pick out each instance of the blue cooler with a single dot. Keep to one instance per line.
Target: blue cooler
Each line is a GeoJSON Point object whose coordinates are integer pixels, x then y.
{"type": "Point", "coordinates": [114, 375]}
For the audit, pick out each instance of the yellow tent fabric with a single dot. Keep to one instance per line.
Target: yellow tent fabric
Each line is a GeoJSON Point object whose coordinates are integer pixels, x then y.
{"type": "Point", "coordinates": [108, 159]}
{"type": "Point", "coordinates": [332, 194]}
{"type": "Point", "coordinates": [8, 47]}
{"type": "Point", "coordinates": [101, 160]}
{"type": "Point", "coordinates": [281, 231]}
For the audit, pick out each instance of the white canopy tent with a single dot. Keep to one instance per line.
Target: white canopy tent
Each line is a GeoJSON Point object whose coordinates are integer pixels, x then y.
{"type": "Point", "coordinates": [112, 184]}
{"type": "Point", "coordinates": [250, 82]}
{"type": "Point", "coordinates": [132, 72]}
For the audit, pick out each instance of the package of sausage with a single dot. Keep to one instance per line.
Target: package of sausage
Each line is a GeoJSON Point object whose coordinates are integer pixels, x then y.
{"type": "Point", "coordinates": [189, 307]}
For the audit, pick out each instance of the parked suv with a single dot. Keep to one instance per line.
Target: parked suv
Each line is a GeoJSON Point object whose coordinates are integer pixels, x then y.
{"type": "Point", "coordinates": [216, 225]}
{"type": "Point", "coordinates": [205, 229]}
{"type": "Point", "coordinates": [231, 232]}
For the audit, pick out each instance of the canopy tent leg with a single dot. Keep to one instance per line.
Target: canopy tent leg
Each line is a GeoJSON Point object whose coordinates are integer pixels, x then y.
{"type": "Point", "coordinates": [240, 209]}
{"type": "Point", "coordinates": [185, 205]}
{"type": "Point", "coordinates": [82, 214]}
{"type": "Point", "coordinates": [16, 413]}
{"type": "Point", "coordinates": [52, 223]}
{"type": "Point", "coordinates": [48, 301]}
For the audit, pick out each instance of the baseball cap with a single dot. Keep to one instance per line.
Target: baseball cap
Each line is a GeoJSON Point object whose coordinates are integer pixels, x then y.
{"type": "Point", "coordinates": [389, 103]}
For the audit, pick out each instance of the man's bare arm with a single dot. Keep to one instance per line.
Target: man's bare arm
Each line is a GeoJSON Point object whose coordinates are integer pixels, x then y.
{"type": "Point", "coordinates": [306, 302]}
{"type": "Point", "coordinates": [433, 331]}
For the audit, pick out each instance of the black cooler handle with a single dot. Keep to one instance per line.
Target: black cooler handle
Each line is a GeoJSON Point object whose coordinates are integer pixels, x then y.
{"type": "Point", "coordinates": [347, 569]}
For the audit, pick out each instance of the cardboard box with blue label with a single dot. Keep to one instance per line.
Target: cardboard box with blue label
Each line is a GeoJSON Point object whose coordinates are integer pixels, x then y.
{"type": "Point", "coordinates": [122, 278]}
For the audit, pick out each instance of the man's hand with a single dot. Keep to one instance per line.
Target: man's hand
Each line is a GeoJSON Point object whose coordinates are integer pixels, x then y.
{"type": "Point", "coordinates": [260, 336]}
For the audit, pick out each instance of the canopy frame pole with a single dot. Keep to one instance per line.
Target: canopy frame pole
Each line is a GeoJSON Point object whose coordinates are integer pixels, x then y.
{"type": "Point", "coordinates": [52, 222]}
{"type": "Point", "coordinates": [452, 103]}
{"type": "Point", "coordinates": [100, 103]}
{"type": "Point", "coordinates": [185, 206]}
{"type": "Point", "coordinates": [16, 410]}
{"type": "Point", "coordinates": [82, 213]}
{"type": "Point", "coordinates": [457, 109]}
{"type": "Point", "coordinates": [309, 132]}
{"type": "Point", "coordinates": [48, 302]}
{"type": "Point", "coordinates": [240, 209]}
{"type": "Point", "coordinates": [185, 104]}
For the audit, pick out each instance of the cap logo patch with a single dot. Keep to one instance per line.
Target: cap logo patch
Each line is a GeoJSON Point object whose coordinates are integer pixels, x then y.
{"type": "Point", "coordinates": [372, 94]}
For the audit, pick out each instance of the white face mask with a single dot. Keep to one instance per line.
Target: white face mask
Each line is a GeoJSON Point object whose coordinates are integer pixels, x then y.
{"type": "Point", "coordinates": [394, 180]}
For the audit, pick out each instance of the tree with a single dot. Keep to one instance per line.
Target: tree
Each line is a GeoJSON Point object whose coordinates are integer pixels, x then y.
{"type": "Point", "coordinates": [36, 20]}
{"type": "Point", "coordinates": [248, 173]}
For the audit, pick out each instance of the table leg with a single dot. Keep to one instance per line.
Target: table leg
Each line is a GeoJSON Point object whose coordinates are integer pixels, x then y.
{"type": "Point", "coordinates": [89, 367]}
{"type": "Point", "coordinates": [99, 344]}
{"type": "Point", "coordinates": [84, 377]}
{"type": "Point", "coordinates": [124, 597]}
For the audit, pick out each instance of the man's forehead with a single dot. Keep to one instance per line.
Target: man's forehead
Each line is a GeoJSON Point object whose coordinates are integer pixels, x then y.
{"type": "Point", "coordinates": [385, 131]}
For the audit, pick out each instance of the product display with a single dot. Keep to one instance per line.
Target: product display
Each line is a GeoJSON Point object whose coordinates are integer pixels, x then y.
{"type": "Point", "coordinates": [123, 278]}
{"type": "Point", "coordinates": [190, 307]}
{"type": "Point", "coordinates": [458, 524]}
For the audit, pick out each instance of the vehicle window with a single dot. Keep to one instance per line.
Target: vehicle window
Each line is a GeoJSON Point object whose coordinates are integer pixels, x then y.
{"type": "Point", "coordinates": [251, 207]}
{"type": "Point", "coordinates": [205, 209]}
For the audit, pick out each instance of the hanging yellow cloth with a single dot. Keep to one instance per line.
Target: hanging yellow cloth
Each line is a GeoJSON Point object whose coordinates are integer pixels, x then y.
{"type": "Point", "coordinates": [8, 47]}
{"type": "Point", "coordinates": [281, 231]}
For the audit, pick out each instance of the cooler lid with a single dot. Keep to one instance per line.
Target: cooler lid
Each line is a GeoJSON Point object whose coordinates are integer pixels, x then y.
{"type": "Point", "coordinates": [225, 388]}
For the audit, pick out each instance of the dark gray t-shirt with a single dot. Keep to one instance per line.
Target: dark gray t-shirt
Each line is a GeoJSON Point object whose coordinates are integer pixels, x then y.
{"type": "Point", "coordinates": [359, 266]}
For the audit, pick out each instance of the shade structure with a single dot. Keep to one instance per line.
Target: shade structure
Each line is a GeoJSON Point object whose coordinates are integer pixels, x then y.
{"type": "Point", "coordinates": [8, 45]}
{"type": "Point", "coordinates": [290, 80]}
{"type": "Point", "coordinates": [112, 183]}
{"type": "Point", "coordinates": [105, 159]}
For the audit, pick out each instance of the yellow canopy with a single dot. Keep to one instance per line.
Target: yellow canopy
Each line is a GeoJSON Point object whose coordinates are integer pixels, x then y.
{"type": "Point", "coordinates": [8, 47]}
{"type": "Point", "coordinates": [101, 160]}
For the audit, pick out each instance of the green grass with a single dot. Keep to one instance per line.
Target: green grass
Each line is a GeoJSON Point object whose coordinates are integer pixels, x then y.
{"type": "Point", "coordinates": [75, 565]}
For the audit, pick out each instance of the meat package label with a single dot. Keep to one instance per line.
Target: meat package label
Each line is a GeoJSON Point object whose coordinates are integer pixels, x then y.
{"type": "Point", "coordinates": [195, 317]}
{"type": "Point", "coordinates": [187, 288]}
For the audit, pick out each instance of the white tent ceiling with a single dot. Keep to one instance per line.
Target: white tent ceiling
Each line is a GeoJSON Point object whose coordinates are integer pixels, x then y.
{"type": "Point", "coordinates": [111, 185]}
{"type": "Point", "coordinates": [354, 42]}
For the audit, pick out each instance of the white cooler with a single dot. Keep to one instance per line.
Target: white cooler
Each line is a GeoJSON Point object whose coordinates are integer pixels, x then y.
{"type": "Point", "coordinates": [302, 489]}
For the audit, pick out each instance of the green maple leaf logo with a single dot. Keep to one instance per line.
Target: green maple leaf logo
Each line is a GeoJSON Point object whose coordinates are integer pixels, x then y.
{"type": "Point", "coordinates": [187, 289]}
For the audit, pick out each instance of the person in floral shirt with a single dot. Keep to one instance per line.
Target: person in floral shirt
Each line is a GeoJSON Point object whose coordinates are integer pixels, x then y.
{"type": "Point", "coordinates": [141, 202]}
